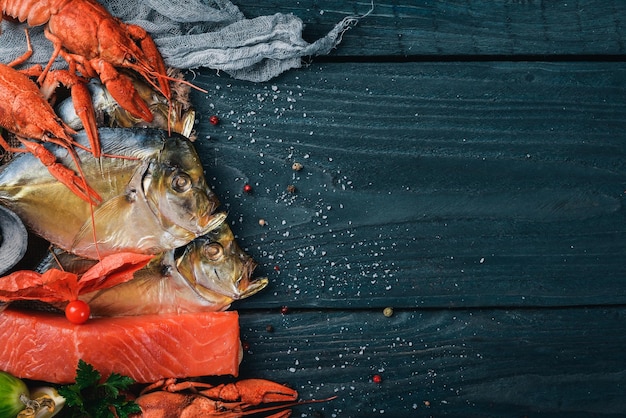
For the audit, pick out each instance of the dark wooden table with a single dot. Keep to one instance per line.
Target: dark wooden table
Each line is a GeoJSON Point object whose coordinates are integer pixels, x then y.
{"type": "Point", "coordinates": [464, 163]}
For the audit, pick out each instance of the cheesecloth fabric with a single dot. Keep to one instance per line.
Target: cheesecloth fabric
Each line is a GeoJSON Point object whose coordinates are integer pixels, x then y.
{"type": "Point", "coordinates": [201, 33]}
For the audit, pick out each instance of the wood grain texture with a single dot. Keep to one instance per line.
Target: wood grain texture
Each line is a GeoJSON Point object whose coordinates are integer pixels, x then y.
{"type": "Point", "coordinates": [464, 162]}
{"type": "Point", "coordinates": [426, 185]}
{"type": "Point", "coordinates": [462, 27]}
{"type": "Point", "coordinates": [493, 188]}
{"type": "Point", "coordinates": [479, 192]}
{"type": "Point", "coordinates": [458, 363]}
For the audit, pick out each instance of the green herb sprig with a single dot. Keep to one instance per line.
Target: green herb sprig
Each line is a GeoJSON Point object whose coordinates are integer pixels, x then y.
{"type": "Point", "coordinates": [90, 397]}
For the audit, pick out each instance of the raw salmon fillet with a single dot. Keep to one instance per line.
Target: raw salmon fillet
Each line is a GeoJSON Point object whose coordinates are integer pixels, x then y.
{"type": "Point", "coordinates": [45, 346]}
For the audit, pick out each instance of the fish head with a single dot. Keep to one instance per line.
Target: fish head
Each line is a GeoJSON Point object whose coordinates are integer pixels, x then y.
{"type": "Point", "coordinates": [215, 264]}
{"type": "Point", "coordinates": [177, 192]}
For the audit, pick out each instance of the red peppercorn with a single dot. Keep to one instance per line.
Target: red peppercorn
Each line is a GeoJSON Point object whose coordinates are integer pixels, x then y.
{"type": "Point", "coordinates": [214, 120]}
{"type": "Point", "coordinates": [377, 378]}
{"type": "Point", "coordinates": [284, 310]}
{"type": "Point", "coordinates": [247, 188]}
{"type": "Point", "coordinates": [245, 345]}
{"type": "Point", "coordinates": [276, 268]}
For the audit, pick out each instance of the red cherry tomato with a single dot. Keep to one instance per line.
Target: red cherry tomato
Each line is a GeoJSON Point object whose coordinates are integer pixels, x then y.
{"type": "Point", "coordinates": [77, 312]}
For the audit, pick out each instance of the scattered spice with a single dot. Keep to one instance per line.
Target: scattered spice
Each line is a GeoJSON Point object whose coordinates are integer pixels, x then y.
{"type": "Point", "coordinates": [276, 268]}
{"type": "Point", "coordinates": [247, 188]}
{"type": "Point", "coordinates": [269, 328]}
{"type": "Point", "coordinates": [262, 222]}
{"type": "Point", "coordinates": [284, 310]}
{"type": "Point", "coordinates": [291, 188]}
{"type": "Point", "coordinates": [377, 378]}
{"type": "Point", "coordinates": [245, 345]}
{"type": "Point", "coordinates": [214, 120]}
{"type": "Point", "coordinates": [388, 311]}
{"type": "Point", "coordinates": [297, 166]}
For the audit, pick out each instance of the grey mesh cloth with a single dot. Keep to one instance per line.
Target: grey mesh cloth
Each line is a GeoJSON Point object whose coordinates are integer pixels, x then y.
{"type": "Point", "coordinates": [201, 33]}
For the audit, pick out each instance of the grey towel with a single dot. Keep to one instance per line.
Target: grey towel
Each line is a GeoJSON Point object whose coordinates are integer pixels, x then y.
{"type": "Point", "coordinates": [202, 33]}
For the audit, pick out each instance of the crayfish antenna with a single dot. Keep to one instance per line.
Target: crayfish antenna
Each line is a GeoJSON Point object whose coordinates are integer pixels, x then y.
{"type": "Point", "coordinates": [93, 202]}
{"type": "Point", "coordinates": [254, 411]}
{"type": "Point", "coordinates": [173, 80]}
{"type": "Point", "coordinates": [157, 86]}
{"type": "Point", "coordinates": [26, 55]}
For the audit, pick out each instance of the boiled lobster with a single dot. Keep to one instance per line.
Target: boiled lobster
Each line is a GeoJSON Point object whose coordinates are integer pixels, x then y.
{"type": "Point", "coordinates": [94, 43]}
{"type": "Point", "coordinates": [25, 112]}
{"type": "Point", "coordinates": [169, 399]}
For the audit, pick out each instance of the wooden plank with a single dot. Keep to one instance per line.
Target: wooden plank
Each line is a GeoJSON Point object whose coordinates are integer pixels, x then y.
{"type": "Point", "coordinates": [462, 27]}
{"type": "Point", "coordinates": [430, 185]}
{"type": "Point", "coordinates": [487, 363]}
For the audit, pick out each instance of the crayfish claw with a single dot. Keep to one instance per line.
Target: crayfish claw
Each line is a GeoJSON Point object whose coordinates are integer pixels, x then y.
{"type": "Point", "coordinates": [85, 111]}
{"type": "Point", "coordinates": [251, 392]}
{"type": "Point", "coordinates": [81, 98]}
{"type": "Point", "coordinates": [122, 90]}
{"type": "Point", "coordinates": [75, 183]}
{"type": "Point", "coordinates": [258, 391]}
{"type": "Point", "coordinates": [78, 185]}
{"type": "Point", "coordinates": [156, 67]}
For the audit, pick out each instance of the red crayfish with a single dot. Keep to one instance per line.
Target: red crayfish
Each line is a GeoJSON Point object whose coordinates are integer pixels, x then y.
{"type": "Point", "coordinates": [231, 400]}
{"type": "Point", "coordinates": [94, 44]}
{"type": "Point", "coordinates": [25, 112]}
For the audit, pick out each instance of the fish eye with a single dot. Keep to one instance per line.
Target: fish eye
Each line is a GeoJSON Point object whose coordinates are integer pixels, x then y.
{"type": "Point", "coordinates": [181, 182]}
{"type": "Point", "coordinates": [213, 251]}
{"type": "Point", "coordinates": [131, 59]}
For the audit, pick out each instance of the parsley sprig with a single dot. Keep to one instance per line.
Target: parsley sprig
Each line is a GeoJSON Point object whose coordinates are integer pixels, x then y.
{"type": "Point", "coordinates": [91, 397]}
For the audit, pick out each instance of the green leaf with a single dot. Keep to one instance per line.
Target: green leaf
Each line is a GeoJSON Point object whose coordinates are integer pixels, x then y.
{"type": "Point", "coordinates": [91, 398]}
{"type": "Point", "coordinates": [116, 382]}
{"type": "Point", "coordinates": [86, 375]}
{"type": "Point", "coordinates": [127, 408]}
{"type": "Point", "coordinates": [119, 381]}
{"type": "Point", "coordinates": [72, 396]}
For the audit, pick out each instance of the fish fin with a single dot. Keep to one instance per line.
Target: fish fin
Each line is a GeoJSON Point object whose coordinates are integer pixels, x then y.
{"type": "Point", "coordinates": [114, 211]}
